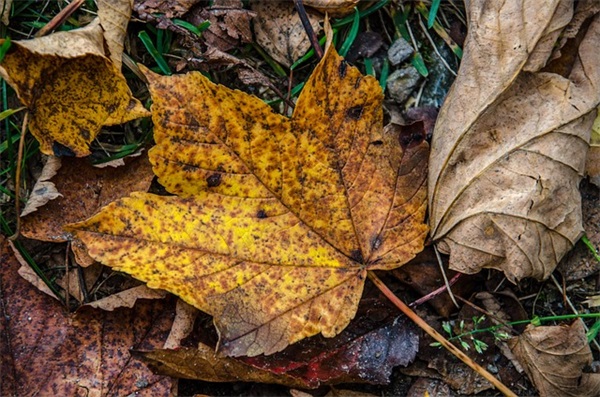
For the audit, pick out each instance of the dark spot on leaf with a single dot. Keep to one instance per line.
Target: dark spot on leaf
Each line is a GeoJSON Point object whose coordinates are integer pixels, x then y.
{"type": "Point", "coordinates": [214, 180]}
{"type": "Point", "coordinates": [261, 214]}
{"type": "Point", "coordinates": [61, 150]}
{"type": "Point", "coordinates": [85, 134]}
{"type": "Point", "coordinates": [378, 142]}
{"type": "Point", "coordinates": [355, 112]}
{"type": "Point", "coordinates": [356, 255]}
{"type": "Point", "coordinates": [375, 242]}
{"type": "Point", "coordinates": [342, 69]}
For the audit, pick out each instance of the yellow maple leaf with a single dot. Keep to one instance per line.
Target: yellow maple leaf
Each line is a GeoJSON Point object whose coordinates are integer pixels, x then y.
{"type": "Point", "coordinates": [275, 221]}
{"type": "Point", "coordinates": [70, 87]}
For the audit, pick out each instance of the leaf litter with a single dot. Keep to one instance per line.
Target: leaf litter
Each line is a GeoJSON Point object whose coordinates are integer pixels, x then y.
{"type": "Point", "coordinates": [543, 50]}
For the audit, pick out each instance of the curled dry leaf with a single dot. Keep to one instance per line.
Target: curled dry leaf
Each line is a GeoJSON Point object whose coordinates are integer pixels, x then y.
{"type": "Point", "coordinates": [509, 146]}
{"type": "Point", "coordinates": [84, 190]}
{"type": "Point", "coordinates": [114, 17]}
{"type": "Point", "coordinates": [169, 8]}
{"type": "Point", "coordinates": [276, 221]}
{"type": "Point", "coordinates": [229, 24]}
{"type": "Point", "coordinates": [336, 8]}
{"type": "Point", "coordinates": [280, 32]}
{"type": "Point", "coordinates": [70, 87]}
{"type": "Point", "coordinates": [5, 11]}
{"type": "Point", "coordinates": [127, 298]}
{"type": "Point", "coordinates": [43, 190]}
{"type": "Point", "coordinates": [554, 357]}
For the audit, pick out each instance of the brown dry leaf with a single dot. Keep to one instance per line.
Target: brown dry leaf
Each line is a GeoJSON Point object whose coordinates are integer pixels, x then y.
{"type": "Point", "coordinates": [229, 24]}
{"type": "Point", "coordinates": [170, 8]}
{"type": "Point", "coordinates": [554, 357]}
{"type": "Point", "coordinates": [43, 190]}
{"type": "Point", "coordinates": [277, 220]}
{"type": "Point", "coordinates": [48, 352]}
{"type": "Point", "coordinates": [509, 146]}
{"type": "Point", "coordinates": [335, 8]}
{"type": "Point", "coordinates": [127, 298]}
{"type": "Point", "coordinates": [280, 32]}
{"type": "Point", "coordinates": [183, 324]}
{"type": "Point", "coordinates": [114, 17]}
{"type": "Point", "coordinates": [592, 166]}
{"type": "Point", "coordinates": [70, 87]}
{"type": "Point", "coordinates": [84, 190]}
{"type": "Point", "coordinates": [5, 11]}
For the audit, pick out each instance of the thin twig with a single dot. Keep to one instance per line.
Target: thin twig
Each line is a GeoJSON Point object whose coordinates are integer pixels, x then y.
{"type": "Point", "coordinates": [18, 177]}
{"type": "Point", "coordinates": [437, 336]}
{"type": "Point", "coordinates": [59, 18]}
{"type": "Point", "coordinates": [441, 265]}
{"type": "Point", "coordinates": [434, 293]}
{"type": "Point", "coordinates": [312, 37]}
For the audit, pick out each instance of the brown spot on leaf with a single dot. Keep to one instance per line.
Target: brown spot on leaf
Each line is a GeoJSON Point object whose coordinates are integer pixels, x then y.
{"type": "Point", "coordinates": [357, 256]}
{"type": "Point", "coordinates": [214, 180]}
{"type": "Point", "coordinates": [355, 112]}
{"type": "Point", "coordinates": [342, 68]}
{"type": "Point", "coordinates": [261, 214]}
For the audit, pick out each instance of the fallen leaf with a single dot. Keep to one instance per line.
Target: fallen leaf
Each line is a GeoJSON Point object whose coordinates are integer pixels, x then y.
{"type": "Point", "coordinates": [280, 32]}
{"type": "Point", "coordinates": [554, 358]}
{"type": "Point", "coordinates": [70, 88]}
{"type": "Point", "coordinates": [127, 298]}
{"type": "Point", "coordinates": [367, 351]}
{"type": "Point", "coordinates": [46, 351]}
{"type": "Point", "coordinates": [5, 11]}
{"type": "Point", "coordinates": [277, 220]}
{"type": "Point", "coordinates": [170, 8]}
{"type": "Point", "coordinates": [509, 146]}
{"type": "Point", "coordinates": [84, 190]}
{"type": "Point", "coordinates": [336, 8]}
{"type": "Point", "coordinates": [43, 190]}
{"type": "Point", "coordinates": [183, 324]}
{"type": "Point", "coordinates": [114, 17]}
{"type": "Point", "coordinates": [229, 24]}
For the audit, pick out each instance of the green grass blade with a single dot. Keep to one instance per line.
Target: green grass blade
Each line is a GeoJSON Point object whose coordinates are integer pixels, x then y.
{"type": "Point", "coordinates": [435, 5]}
{"type": "Point", "coordinates": [419, 64]}
{"type": "Point", "coordinates": [197, 30]}
{"type": "Point", "coordinates": [385, 71]}
{"type": "Point", "coordinates": [158, 58]}
{"type": "Point", "coordinates": [591, 247]}
{"type": "Point", "coordinates": [351, 35]}
{"type": "Point", "coordinates": [364, 13]}
{"type": "Point", "coordinates": [4, 48]}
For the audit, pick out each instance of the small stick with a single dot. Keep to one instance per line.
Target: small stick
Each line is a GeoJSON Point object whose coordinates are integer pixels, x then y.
{"type": "Point", "coordinates": [437, 336]}
{"type": "Point", "coordinates": [59, 18]}
{"type": "Point", "coordinates": [18, 177]}
{"type": "Point", "coordinates": [314, 41]}
{"type": "Point", "coordinates": [436, 292]}
{"type": "Point", "coordinates": [67, 278]}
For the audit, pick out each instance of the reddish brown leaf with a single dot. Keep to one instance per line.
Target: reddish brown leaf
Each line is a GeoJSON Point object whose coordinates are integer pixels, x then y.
{"type": "Point", "coordinates": [48, 352]}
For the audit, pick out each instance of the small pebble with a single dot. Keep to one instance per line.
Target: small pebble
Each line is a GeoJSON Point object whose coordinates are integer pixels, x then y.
{"type": "Point", "coordinates": [401, 83]}
{"type": "Point", "coordinates": [399, 51]}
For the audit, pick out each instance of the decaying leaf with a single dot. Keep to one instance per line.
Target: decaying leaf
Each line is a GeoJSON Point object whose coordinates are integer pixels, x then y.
{"type": "Point", "coordinates": [276, 221]}
{"type": "Point", "coordinates": [114, 17]}
{"type": "Point", "coordinates": [84, 190]}
{"type": "Point", "coordinates": [127, 298]}
{"type": "Point", "coordinates": [43, 190]}
{"type": "Point", "coordinates": [70, 87]}
{"type": "Point", "coordinates": [229, 24]}
{"type": "Point", "coordinates": [46, 351]}
{"type": "Point", "coordinates": [280, 32]}
{"type": "Point", "coordinates": [334, 8]}
{"type": "Point", "coordinates": [367, 351]}
{"type": "Point", "coordinates": [5, 11]}
{"type": "Point", "coordinates": [169, 8]}
{"type": "Point", "coordinates": [553, 357]}
{"type": "Point", "coordinates": [509, 146]}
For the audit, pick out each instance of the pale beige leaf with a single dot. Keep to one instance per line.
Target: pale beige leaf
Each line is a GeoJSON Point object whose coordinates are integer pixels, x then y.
{"type": "Point", "coordinates": [554, 357]}
{"type": "Point", "coordinates": [5, 11]}
{"type": "Point", "coordinates": [114, 17]}
{"type": "Point", "coordinates": [334, 8]}
{"type": "Point", "coordinates": [127, 298]}
{"type": "Point", "coordinates": [28, 274]}
{"type": "Point", "coordinates": [183, 324]}
{"type": "Point", "coordinates": [509, 146]}
{"type": "Point", "coordinates": [280, 32]}
{"type": "Point", "coordinates": [43, 190]}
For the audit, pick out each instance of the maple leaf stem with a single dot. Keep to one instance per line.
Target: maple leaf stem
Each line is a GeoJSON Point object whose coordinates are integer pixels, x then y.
{"type": "Point", "coordinates": [314, 41]}
{"type": "Point", "coordinates": [437, 336]}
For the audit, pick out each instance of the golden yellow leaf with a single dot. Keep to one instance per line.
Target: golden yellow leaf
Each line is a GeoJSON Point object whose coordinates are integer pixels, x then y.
{"type": "Point", "coordinates": [275, 221]}
{"type": "Point", "coordinates": [70, 88]}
